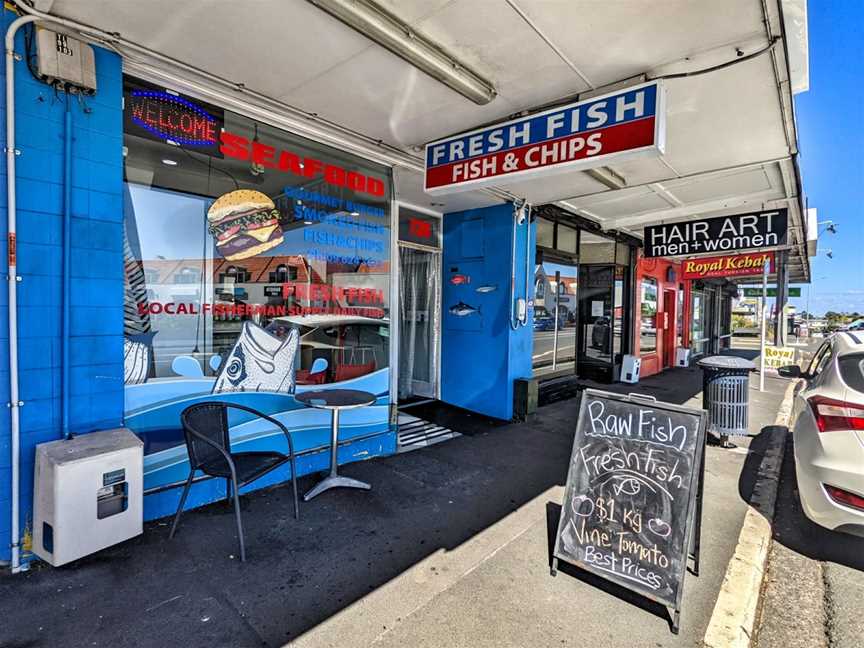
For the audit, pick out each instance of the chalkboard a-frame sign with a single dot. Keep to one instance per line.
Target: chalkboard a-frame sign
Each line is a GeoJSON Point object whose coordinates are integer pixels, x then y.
{"type": "Point", "coordinates": [632, 503]}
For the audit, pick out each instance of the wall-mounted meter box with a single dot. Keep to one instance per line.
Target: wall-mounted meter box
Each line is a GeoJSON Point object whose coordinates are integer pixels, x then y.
{"type": "Point", "coordinates": [630, 368]}
{"type": "Point", "coordinates": [88, 494]}
{"type": "Point", "coordinates": [61, 58]}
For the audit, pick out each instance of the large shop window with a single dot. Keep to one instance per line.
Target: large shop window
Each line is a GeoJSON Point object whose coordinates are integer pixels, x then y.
{"type": "Point", "coordinates": [648, 312]}
{"type": "Point", "coordinates": [255, 259]}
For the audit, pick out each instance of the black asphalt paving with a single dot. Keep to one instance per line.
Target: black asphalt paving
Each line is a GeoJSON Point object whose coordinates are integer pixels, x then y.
{"type": "Point", "coordinates": [193, 591]}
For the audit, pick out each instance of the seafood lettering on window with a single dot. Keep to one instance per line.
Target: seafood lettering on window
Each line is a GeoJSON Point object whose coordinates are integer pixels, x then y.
{"type": "Point", "coordinates": [632, 484]}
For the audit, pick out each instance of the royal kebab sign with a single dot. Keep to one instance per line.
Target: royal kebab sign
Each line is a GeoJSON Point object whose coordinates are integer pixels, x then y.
{"type": "Point", "coordinates": [737, 265]}
{"type": "Point", "coordinates": [579, 135]}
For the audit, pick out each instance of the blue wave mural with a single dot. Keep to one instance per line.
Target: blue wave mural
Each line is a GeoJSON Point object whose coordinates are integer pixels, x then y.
{"type": "Point", "coordinates": [153, 413]}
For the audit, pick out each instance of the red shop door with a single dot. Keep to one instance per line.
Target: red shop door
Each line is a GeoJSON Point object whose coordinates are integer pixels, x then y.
{"type": "Point", "coordinates": [669, 329]}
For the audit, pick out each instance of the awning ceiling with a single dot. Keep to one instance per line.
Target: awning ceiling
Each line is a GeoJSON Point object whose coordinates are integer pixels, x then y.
{"type": "Point", "coordinates": [730, 133]}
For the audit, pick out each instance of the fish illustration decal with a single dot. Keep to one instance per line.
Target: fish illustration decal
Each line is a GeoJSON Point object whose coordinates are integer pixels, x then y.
{"type": "Point", "coordinates": [463, 310]}
{"type": "Point", "coordinates": [259, 362]}
{"type": "Point", "coordinates": [137, 352]}
{"type": "Point", "coordinates": [487, 288]}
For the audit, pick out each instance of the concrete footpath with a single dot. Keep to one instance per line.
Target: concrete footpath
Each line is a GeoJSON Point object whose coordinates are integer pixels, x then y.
{"type": "Point", "coordinates": [495, 590]}
{"type": "Point", "coordinates": [450, 548]}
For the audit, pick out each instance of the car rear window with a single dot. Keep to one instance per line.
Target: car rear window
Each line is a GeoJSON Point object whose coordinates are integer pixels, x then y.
{"type": "Point", "coordinates": [852, 370]}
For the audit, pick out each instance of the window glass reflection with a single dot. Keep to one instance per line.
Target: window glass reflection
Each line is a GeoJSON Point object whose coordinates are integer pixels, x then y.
{"type": "Point", "coordinates": [555, 316]}
{"type": "Point", "coordinates": [240, 250]}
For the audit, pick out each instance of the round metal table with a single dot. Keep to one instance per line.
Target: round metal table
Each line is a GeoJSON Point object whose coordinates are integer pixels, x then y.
{"type": "Point", "coordinates": [335, 400]}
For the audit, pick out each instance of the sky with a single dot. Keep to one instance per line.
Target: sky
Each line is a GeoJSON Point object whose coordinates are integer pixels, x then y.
{"type": "Point", "coordinates": [831, 141]}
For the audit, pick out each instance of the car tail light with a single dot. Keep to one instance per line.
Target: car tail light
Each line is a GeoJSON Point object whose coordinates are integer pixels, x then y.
{"type": "Point", "coordinates": [845, 497]}
{"type": "Point", "coordinates": [832, 415]}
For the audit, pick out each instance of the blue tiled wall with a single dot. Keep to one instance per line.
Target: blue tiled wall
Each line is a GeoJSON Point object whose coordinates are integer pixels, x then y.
{"type": "Point", "coordinates": [481, 355]}
{"type": "Point", "coordinates": [96, 294]}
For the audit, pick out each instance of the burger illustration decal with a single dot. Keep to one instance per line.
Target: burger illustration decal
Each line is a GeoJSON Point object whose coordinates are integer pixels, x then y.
{"type": "Point", "coordinates": [244, 223]}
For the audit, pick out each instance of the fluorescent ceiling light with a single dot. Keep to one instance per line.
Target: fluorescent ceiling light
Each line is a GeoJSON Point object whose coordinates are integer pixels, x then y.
{"type": "Point", "coordinates": [169, 162]}
{"type": "Point", "coordinates": [382, 27]}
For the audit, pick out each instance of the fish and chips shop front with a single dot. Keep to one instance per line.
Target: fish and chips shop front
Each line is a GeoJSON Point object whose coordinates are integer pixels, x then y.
{"type": "Point", "coordinates": [184, 238]}
{"type": "Point", "coordinates": [218, 257]}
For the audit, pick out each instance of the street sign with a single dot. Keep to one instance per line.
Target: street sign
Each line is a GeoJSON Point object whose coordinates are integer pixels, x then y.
{"type": "Point", "coordinates": [772, 292]}
{"type": "Point", "coordinates": [737, 233]}
{"type": "Point", "coordinates": [584, 134]}
{"type": "Point", "coordinates": [632, 502]}
{"type": "Point", "coordinates": [739, 265]}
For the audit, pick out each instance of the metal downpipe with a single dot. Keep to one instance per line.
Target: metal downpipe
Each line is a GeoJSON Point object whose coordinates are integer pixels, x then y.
{"type": "Point", "coordinates": [12, 279]}
{"type": "Point", "coordinates": [67, 269]}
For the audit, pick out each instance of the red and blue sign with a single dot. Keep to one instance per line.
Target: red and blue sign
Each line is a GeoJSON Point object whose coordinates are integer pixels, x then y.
{"type": "Point", "coordinates": [580, 135]}
{"type": "Point", "coordinates": [166, 116]}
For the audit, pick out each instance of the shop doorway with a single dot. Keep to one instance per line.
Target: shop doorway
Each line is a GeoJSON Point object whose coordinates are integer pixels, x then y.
{"type": "Point", "coordinates": [555, 315]}
{"type": "Point", "coordinates": [419, 306]}
{"type": "Point", "coordinates": [669, 319]}
{"type": "Point", "coordinates": [596, 321]}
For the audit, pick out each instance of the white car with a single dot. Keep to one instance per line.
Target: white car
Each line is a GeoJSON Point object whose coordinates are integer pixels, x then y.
{"type": "Point", "coordinates": [828, 432]}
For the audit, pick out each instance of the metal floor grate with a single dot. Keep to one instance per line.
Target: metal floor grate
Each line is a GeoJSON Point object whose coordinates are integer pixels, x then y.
{"type": "Point", "coordinates": [415, 433]}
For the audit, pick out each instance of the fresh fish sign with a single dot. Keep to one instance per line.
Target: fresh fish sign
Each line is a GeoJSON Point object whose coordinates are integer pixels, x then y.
{"type": "Point", "coordinates": [463, 310]}
{"type": "Point", "coordinates": [580, 135]}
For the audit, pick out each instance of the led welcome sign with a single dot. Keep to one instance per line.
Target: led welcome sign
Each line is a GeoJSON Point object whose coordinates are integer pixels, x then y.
{"type": "Point", "coordinates": [166, 116]}
{"type": "Point", "coordinates": [172, 117]}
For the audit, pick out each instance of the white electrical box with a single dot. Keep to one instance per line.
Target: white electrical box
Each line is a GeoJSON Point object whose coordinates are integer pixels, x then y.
{"type": "Point", "coordinates": [682, 357]}
{"type": "Point", "coordinates": [630, 366]}
{"type": "Point", "coordinates": [87, 493]}
{"type": "Point", "coordinates": [66, 60]}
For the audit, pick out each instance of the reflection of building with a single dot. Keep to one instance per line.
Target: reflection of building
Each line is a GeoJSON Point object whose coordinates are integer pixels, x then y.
{"type": "Point", "coordinates": [191, 301]}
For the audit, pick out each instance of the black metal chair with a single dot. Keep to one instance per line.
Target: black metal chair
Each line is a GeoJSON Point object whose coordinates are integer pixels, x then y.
{"type": "Point", "coordinates": [205, 426]}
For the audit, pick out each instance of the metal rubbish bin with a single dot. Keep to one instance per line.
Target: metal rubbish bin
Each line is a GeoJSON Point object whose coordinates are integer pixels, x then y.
{"type": "Point", "coordinates": [726, 395]}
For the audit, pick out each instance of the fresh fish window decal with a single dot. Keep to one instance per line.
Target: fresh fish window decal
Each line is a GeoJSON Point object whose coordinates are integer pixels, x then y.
{"type": "Point", "coordinates": [463, 310]}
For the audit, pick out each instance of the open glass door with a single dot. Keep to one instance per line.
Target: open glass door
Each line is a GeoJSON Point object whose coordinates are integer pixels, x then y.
{"type": "Point", "coordinates": [419, 304]}
{"type": "Point", "coordinates": [419, 295]}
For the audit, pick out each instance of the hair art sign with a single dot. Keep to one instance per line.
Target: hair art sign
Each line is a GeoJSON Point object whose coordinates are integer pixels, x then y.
{"type": "Point", "coordinates": [739, 232]}
{"type": "Point", "coordinates": [579, 135]}
{"type": "Point", "coordinates": [738, 265]}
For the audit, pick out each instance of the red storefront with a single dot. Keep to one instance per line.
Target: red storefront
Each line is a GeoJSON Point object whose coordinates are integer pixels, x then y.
{"type": "Point", "coordinates": [662, 314]}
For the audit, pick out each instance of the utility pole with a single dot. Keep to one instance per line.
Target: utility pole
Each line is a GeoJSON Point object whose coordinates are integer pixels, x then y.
{"type": "Point", "coordinates": [782, 271]}
{"type": "Point", "coordinates": [764, 325]}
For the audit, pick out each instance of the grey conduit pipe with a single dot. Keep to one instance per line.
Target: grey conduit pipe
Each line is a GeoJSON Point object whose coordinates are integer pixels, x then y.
{"type": "Point", "coordinates": [514, 323]}
{"type": "Point", "coordinates": [13, 279]}
{"type": "Point", "coordinates": [528, 250]}
{"type": "Point", "coordinates": [522, 207]}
